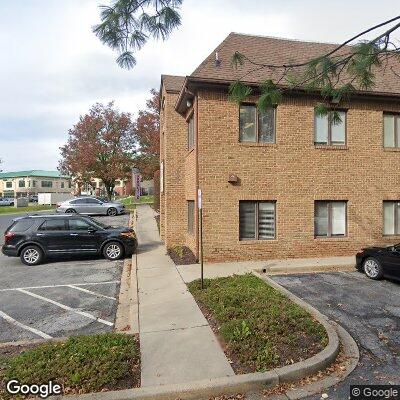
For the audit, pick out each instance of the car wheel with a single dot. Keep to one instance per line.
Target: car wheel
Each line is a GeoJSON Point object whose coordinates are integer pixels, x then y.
{"type": "Point", "coordinates": [373, 268]}
{"type": "Point", "coordinates": [31, 255]}
{"type": "Point", "coordinates": [112, 212]}
{"type": "Point", "coordinates": [70, 211]}
{"type": "Point", "coordinates": [113, 251]}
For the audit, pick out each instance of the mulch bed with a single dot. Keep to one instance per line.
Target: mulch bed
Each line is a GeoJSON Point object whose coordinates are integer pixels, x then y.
{"type": "Point", "coordinates": [182, 255]}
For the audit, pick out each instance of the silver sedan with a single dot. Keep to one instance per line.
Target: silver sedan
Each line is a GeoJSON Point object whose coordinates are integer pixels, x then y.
{"type": "Point", "coordinates": [90, 205]}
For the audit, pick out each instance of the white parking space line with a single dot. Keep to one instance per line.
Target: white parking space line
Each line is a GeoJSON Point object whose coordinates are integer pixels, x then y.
{"type": "Point", "coordinates": [63, 306]}
{"type": "Point", "coordinates": [27, 328]}
{"type": "Point", "coordinates": [56, 286]}
{"type": "Point", "coordinates": [90, 292]}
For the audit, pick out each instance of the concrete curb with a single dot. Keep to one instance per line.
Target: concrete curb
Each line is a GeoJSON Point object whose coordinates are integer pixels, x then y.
{"type": "Point", "coordinates": [249, 382]}
{"type": "Point", "coordinates": [126, 320]}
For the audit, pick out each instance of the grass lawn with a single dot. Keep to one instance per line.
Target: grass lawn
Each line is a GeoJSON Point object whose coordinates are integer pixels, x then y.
{"type": "Point", "coordinates": [14, 210]}
{"type": "Point", "coordinates": [257, 326]}
{"type": "Point", "coordinates": [143, 200]}
{"type": "Point", "coordinates": [82, 364]}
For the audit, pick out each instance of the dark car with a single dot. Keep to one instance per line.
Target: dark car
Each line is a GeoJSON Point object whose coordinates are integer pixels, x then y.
{"type": "Point", "coordinates": [33, 238]}
{"type": "Point", "coordinates": [378, 262]}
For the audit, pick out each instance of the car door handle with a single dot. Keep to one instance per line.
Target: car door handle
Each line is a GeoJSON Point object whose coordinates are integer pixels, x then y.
{"type": "Point", "coordinates": [73, 234]}
{"type": "Point", "coordinates": [40, 234]}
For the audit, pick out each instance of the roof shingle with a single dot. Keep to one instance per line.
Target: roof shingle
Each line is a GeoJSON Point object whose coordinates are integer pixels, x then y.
{"type": "Point", "coordinates": [280, 51]}
{"type": "Point", "coordinates": [172, 83]}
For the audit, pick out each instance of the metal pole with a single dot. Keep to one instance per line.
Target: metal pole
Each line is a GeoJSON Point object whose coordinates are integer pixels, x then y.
{"type": "Point", "coordinates": [201, 246]}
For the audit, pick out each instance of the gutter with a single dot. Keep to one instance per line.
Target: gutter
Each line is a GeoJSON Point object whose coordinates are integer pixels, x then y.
{"type": "Point", "coordinates": [193, 82]}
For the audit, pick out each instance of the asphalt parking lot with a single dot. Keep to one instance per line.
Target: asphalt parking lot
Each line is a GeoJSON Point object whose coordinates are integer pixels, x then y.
{"type": "Point", "coordinates": [59, 298]}
{"type": "Point", "coordinates": [369, 310]}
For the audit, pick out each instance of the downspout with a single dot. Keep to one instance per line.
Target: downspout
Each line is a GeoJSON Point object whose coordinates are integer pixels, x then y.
{"type": "Point", "coordinates": [197, 172]}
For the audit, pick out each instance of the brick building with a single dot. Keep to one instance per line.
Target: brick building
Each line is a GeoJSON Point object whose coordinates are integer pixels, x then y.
{"type": "Point", "coordinates": [279, 184]}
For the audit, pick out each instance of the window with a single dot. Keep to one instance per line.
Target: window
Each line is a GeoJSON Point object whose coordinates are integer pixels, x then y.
{"type": "Point", "coordinates": [330, 133]}
{"type": "Point", "coordinates": [391, 217]}
{"type": "Point", "coordinates": [33, 183]}
{"type": "Point", "coordinates": [191, 134]}
{"type": "Point", "coordinates": [78, 225]}
{"type": "Point", "coordinates": [190, 210]}
{"type": "Point", "coordinates": [21, 183]}
{"type": "Point", "coordinates": [391, 130]}
{"type": "Point", "coordinates": [47, 184]}
{"type": "Point", "coordinates": [62, 185]}
{"type": "Point", "coordinates": [256, 126]}
{"type": "Point", "coordinates": [330, 218]}
{"type": "Point", "coordinates": [92, 201]}
{"type": "Point", "coordinates": [57, 224]}
{"type": "Point", "coordinates": [256, 220]}
{"type": "Point", "coordinates": [22, 225]}
{"type": "Point", "coordinates": [8, 185]}
{"type": "Point", "coordinates": [78, 201]}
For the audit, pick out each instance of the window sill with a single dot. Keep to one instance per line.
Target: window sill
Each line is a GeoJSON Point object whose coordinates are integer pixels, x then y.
{"type": "Point", "coordinates": [331, 147]}
{"type": "Point", "coordinates": [257, 241]}
{"type": "Point", "coordinates": [396, 236]}
{"type": "Point", "coordinates": [331, 238]}
{"type": "Point", "coordinates": [391, 149]}
{"type": "Point", "coordinates": [257, 144]}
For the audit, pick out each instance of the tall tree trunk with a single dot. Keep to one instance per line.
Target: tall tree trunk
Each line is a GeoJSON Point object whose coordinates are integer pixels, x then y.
{"type": "Point", "coordinates": [109, 188]}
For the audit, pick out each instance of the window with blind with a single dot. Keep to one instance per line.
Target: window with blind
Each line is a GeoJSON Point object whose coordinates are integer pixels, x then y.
{"type": "Point", "coordinates": [326, 131]}
{"type": "Point", "coordinates": [391, 217]}
{"type": "Point", "coordinates": [256, 220]}
{"type": "Point", "coordinates": [255, 125]}
{"type": "Point", "coordinates": [330, 218]}
{"type": "Point", "coordinates": [391, 130]}
{"type": "Point", "coordinates": [190, 216]}
{"type": "Point", "coordinates": [191, 133]}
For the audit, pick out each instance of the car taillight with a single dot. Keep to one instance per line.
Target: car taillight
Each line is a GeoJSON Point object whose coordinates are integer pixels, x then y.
{"type": "Point", "coordinates": [8, 236]}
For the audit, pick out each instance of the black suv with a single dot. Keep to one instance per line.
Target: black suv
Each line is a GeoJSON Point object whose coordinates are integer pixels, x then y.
{"type": "Point", "coordinates": [34, 237]}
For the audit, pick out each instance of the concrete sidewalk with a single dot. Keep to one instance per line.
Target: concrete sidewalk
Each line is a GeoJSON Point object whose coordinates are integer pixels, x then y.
{"type": "Point", "coordinates": [177, 345]}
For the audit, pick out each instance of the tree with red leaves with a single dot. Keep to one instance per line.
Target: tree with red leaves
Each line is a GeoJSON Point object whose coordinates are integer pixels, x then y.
{"type": "Point", "coordinates": [101, 145]}
{"type": "Point", "coordinates": [147, 133]}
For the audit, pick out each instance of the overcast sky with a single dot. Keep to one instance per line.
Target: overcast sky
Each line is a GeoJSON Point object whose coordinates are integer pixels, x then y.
{"type": "Point", "coordinates": [53, 68]}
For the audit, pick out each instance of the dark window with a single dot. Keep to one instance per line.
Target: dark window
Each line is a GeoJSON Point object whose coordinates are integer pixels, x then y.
{"type": "Point", "coordinates": [191, 217]}
{"type": "Point", "coordinates": [391, 217]}
{"type": "Point", "coordinates": [78, 225]}
{"type": "Point", "coordinates": [256, 220]}
{"type": "Point", "coordinates": [8, 185]}
{"type": "Point", "coordinates": [255, 125]}
{"type": "Point", "coordinates": [330, 218]}
{"type": "Point", "coordinates": [191, 133]}
{"type": "Point", "coordinates": [53, 225]}
{"type": "Point", "coordinates": [78, 201]}
{"type": "Point", "coordinates": [47, 184]}
{"type": "Point", "coordinates": [33, 183]}
{"type": "Point", "coordinates": [62, 185]}
{"type": "Point", "coordinates": [21, 183]}
{"type": "Point", "coordinates": [21, 225]}
{"type": "Point", "coordinates": [92, 201]}
{"type": "Point", "coordinates": [391, 130]}
{"type": "Point", "coordinates": [330, 132]}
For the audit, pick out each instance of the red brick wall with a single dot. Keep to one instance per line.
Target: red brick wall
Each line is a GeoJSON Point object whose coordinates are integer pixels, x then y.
{"type": "Point", "coordinates": [294, 173]}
